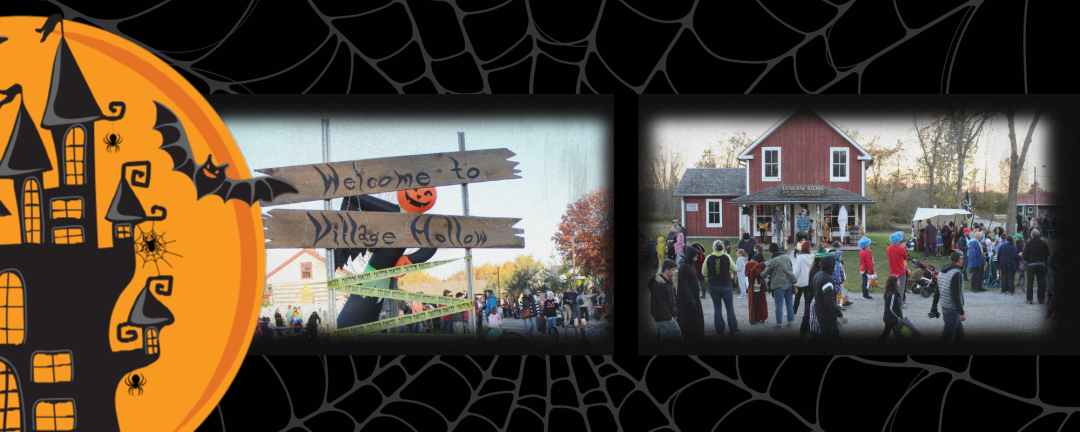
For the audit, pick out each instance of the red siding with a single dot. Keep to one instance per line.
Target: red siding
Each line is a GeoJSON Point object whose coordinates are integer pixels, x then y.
{"type": "Point", "coordinates": [804, 141]}
{"type": "Point", "coordinates": [695, 220]}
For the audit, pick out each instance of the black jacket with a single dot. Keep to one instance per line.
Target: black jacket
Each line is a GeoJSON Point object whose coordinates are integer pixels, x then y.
{"type": "Point", "coordinates": [955, 290]}
{"type": "Point", "coordinates": [825, 306]}
{"type": "Point", "coordinates": [663, 299]}
{"type": "Point", "coordinates": [893, 308]}
{"type": "Point", "coordinates": [673, 237]}
{"type": "Point", "coordinates": [1036, 251]}
{"type": "Point", "coordinates": [691, 317]}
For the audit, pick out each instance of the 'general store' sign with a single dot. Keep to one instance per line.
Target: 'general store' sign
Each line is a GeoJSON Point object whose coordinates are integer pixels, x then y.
{"type": "Point", "coordinates": [802, 190]}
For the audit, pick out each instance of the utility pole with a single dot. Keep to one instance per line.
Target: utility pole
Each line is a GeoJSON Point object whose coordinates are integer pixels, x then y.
{"type": "Point", "coordinates": [331, 300]}
{"type": "Point", "coordinates": [468, 251]}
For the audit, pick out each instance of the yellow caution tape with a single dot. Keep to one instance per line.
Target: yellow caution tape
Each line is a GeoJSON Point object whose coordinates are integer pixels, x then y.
{"type": "Point", "coordinates": [461, 306]}
{"type": "Point", "coordinates": [357, 279]}
{"type": "Point", "coordinates": [367, 291]}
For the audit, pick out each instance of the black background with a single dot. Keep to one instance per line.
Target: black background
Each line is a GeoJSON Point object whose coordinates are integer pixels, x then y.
{"type": "Point", "coordinates": [616, 46]}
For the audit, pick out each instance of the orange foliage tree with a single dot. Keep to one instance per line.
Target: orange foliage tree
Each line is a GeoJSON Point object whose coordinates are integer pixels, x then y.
{"type": "Point", "coordinates": [586, 231]}
{"type": "Point", "coordinates": [417, 277]}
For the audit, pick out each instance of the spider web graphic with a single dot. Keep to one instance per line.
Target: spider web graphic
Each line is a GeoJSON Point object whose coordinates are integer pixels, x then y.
{"type": "Point", "coordinates": [604, 46]}
{"type": "Point", "coordinates": [602, 393]}
{"type": "Point", "coordinates": [152, 247]}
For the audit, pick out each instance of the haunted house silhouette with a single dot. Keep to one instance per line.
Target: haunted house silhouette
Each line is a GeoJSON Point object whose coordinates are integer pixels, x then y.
{"type": "Point", "coordinates": [58, 288]}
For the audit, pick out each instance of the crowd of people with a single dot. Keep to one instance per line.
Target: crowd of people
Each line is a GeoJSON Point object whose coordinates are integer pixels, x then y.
{"type": "Point", "coordinates": [986, 258]}
{"type": "Point", "coordinates": [293, 323]}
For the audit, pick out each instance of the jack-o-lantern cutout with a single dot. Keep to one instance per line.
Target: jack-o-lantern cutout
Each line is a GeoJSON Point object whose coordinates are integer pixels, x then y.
{"type": "Point", "coordinates": [416, 200]}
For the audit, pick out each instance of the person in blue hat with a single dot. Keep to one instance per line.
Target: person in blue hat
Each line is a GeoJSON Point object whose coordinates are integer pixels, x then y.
{"type": "Point", "coordinates": [898, 263]}
{"type": "Point", "coordinates": [866, 266]}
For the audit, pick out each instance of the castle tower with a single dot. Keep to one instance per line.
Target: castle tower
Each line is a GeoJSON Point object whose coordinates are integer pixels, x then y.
{"type": "Point", "coordinates": [70, 113]}
{"type": "Point", "coordinates": [24, 161]}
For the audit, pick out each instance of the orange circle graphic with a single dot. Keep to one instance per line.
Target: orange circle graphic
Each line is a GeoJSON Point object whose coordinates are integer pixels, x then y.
{"type": "Point", "coordinates": [129, 257]}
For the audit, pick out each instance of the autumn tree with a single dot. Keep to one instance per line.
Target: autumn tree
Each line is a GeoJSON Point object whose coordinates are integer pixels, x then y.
{"type": "Point", "coordinates": [708, 159]}
{"type": "Point", "coordinates": [417, 277]}
{"type": "Point", "coordinates": [586, 234]}
{"type": "Point", "coordinates": [1017, 160]}
{"type": "Point", "coordinates": [1003, 171]}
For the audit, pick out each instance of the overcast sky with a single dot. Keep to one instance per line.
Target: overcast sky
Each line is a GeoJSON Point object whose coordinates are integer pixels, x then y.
{"type": "Point", "coordinates": [691, 133]}
{"type": "Point", "coordinates": [561, 158]}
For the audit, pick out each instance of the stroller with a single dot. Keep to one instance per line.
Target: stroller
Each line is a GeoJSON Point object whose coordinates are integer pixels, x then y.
{"type": "Point", "coordinates": [924, 279]}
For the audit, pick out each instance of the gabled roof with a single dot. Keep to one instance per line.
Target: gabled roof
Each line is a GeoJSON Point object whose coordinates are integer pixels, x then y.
{"type": "Point", "coordinates": [25, 151]}
{"type": "Point", "coordinates": [746, 153]}
{"type": "Point", "coordinates": [298, 254]}
{"type": "Point", "coordinates": [1045, 198]}
{"type": "Point", "coordinates": [712, 182]}
{"type": "Point", "coordinates": [125, 207]}
{"type": "Point", "coordinates": [833, 195]}
{"type": "Point", "coordinates": [70, 99]}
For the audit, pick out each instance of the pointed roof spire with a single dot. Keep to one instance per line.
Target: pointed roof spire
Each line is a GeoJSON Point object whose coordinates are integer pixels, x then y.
{"type": "Point", "coordinates": [70, 99]}
{"type": "Point", "coordinates": [125, 206]}
{"type": "Point", "coordinates": [149, 311]}
{"type": "Point", "coordinates": [25, 151]}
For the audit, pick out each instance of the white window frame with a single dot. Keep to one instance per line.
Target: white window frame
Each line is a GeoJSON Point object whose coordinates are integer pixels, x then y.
{"type": "Point", "coordinates": [763, 164]}
{"type": "Point", "coordinates": [847, 164]}
{"type": "Point", "coordinates": [720, 204]}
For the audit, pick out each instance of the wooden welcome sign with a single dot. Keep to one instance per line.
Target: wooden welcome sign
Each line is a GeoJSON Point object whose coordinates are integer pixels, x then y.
{"type": "Point", "coordinates": [370, 176]}
{"type": "Point", "coordinates": [353, 229]}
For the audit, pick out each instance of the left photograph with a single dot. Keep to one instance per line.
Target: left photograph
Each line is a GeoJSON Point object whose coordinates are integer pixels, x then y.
{"type": "Point", "coordinates": [126, 289]}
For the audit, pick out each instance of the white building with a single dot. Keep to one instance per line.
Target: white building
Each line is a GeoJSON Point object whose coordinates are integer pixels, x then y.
{"type": "Point", "coordinates": [286, 282]}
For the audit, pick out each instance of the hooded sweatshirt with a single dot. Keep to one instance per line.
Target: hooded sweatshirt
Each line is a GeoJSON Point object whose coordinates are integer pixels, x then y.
{"type": "Point", "coordinates": [717, 269]}
{"type": "Point", "coordinates": [802, 269]}
{"type": "Point", "coordinates": [662, 307]}
{"type": "Point", "coordinates": [779, 270]}
{"type": "Point", "coordinates": [825, 307]}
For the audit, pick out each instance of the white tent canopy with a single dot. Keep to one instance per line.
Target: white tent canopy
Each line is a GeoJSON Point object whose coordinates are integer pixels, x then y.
{"type": "Point", "coordinates": [938, 216]}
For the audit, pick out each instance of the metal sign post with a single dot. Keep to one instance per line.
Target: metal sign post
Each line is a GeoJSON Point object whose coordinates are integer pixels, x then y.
{"type": "Point", "coordinates": [468, 251]}
{"type": "Point", "coordinates": [331, 296]}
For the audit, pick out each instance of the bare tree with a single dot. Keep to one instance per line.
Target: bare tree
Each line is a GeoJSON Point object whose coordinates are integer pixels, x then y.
{"type": "Point", "coordinates": [966, 129]}
{"type": "Point", "coordinates": [665, 169]}
{"type": "Point", "coordinates": [930, 155]}
{"type": "Point", "coordinates": [1016, 161]}
{"type": "Point", "coordinates": [708, 159]}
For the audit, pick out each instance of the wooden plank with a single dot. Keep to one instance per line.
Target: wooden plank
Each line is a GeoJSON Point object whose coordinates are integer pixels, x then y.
{"type": "Point", "coordinates": [358, 229]}
{"type": "Point", "coordinates": [370, 176]}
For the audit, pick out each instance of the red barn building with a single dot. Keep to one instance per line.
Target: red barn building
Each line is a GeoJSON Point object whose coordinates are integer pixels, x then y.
{"type": "Point", "coordinates": [803, 162]}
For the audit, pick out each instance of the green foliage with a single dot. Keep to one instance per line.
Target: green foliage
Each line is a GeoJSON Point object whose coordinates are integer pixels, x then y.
{"type": "Point", "coordinates": [266, 304]}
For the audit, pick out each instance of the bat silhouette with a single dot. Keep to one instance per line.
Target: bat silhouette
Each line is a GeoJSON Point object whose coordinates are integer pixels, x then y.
{"type": "Point", "coordinates": [210, 179]}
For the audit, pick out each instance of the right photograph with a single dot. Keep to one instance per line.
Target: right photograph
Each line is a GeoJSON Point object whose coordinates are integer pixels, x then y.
{"type": "Point", "coordinates": [848, 225]}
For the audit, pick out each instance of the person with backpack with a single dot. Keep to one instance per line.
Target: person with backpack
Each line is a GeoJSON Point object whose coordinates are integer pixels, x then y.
{"type": "Point", "coordinates": [951, 297]}
{"type": "Point", "coordinates": [894, 313]}
{"type": "Point", "coordinates": [717, 269]}
{"type": "Point", "coordinates": [781, 284]}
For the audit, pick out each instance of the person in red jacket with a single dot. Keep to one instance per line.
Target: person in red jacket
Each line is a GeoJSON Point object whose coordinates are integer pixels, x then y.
{"type": "Point", "coordinates": [759, 308]}
{"type": "Point", "coordinates": [866, 266]}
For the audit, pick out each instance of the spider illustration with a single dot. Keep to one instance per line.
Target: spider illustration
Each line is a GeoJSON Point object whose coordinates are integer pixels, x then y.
{"type": "Point", "coordinates": [113, 141]}
{"type": "Point", "coordinates": [151, 246]}
{"type": "Point", "coordinates": [136, 382]}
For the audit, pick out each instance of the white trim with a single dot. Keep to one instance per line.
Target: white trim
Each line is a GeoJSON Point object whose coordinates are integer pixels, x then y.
{"type": "Point", "coordinates": [720, 203]}
{"type": "Point", "coordinates": [847, 165]}
{"type": "Point", "coordinates": [863, 178]}
{"type": "Point", "coordinates": [684, 211]}
{"type": "Point", "coordinates": [778, 164]}
{"type": "Point", "coordinates": [747, 182]}
{"type": "Point", "coordinates": [746, 153]}
{"type": "Point", "coordinates": [865, 155]}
